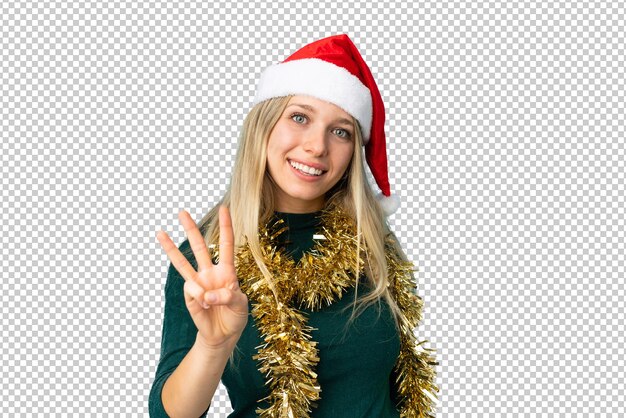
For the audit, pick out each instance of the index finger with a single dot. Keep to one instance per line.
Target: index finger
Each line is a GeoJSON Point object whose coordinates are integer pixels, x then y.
{"type": "Point", "coordinates": [227, 239]}
{"type": "Point", "coordinates": [177, 258]}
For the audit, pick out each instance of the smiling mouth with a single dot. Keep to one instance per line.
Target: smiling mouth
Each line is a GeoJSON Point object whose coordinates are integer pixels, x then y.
{"type": "Point", "coordinates": [306, 170]}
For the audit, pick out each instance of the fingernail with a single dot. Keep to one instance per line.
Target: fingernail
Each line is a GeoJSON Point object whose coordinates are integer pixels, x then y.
{"type": "Point", "coordinates": [210, 297]}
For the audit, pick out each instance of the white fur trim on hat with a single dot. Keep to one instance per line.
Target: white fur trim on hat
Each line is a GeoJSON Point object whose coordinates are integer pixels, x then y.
{"type": "Point", "coordinates": [320, 79]}
{"type": "Point", "coordinates": [389, 204]}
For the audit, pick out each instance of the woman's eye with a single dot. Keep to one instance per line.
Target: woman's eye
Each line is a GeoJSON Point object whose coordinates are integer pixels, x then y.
{"type": "Point", "coordinates": [343, 133]}
{"type": "Point", "coordinates": [301, 118]}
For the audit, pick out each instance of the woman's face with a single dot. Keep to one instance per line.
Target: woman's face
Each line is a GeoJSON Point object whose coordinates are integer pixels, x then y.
{"type": "Point", "coordinates": [317, 137]}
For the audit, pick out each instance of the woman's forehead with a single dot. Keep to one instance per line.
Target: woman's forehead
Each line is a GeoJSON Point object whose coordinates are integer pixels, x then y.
{"type": "Point", "coordinates": [313, 104]}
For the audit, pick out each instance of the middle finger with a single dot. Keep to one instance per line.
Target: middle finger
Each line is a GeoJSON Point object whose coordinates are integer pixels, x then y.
{"type": "Point", "coordinates": [196, 240]}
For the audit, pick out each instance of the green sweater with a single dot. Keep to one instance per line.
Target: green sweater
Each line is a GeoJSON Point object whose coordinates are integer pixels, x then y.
{"type": "Point", "coordinates": [354, 371]}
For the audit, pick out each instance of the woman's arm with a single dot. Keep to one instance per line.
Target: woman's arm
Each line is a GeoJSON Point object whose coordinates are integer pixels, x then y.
{"type": "Point", "coordinates": [205, 315]}
{"type": "Point", "coordinates": [190, 388]}
{"type": "Point", "coordinates": [189, 371]}
{"type": "Point", "coordinates": [181, 349]}
{"type": "Point", "coordinates": [177, 338]}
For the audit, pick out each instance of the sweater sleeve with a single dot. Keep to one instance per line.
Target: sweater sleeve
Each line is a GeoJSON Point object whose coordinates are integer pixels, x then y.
{"type": "Point", "coordinates": [178, 335]}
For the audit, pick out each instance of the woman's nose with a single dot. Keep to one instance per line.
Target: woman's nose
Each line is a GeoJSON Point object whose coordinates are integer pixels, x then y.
{"type": "Point", "coordinates": [315, 142]}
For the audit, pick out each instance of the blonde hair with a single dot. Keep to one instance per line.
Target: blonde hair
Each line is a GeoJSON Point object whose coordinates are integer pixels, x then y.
{"type": "Point", "coordinates": [250, 198]}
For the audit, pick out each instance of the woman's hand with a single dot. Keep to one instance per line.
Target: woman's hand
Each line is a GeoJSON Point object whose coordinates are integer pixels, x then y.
{"type": "Point", "coordinates": [214, 300]}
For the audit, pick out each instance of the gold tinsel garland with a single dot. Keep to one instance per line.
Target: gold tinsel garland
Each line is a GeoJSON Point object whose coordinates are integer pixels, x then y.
{"type": "Point", "coordinates": [288, 356]}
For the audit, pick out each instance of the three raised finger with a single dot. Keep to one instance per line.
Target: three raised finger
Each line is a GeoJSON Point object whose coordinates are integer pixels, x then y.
{"type": "Point", "coordinates": [198, 245]}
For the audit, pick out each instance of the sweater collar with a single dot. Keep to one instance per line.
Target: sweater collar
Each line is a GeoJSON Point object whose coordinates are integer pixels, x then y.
{"type": "Point", "coordinates": [300, 221]}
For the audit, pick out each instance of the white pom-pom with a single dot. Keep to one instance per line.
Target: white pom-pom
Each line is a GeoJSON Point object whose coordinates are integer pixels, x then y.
{"type": "Point", "coordinates": [389, 204]}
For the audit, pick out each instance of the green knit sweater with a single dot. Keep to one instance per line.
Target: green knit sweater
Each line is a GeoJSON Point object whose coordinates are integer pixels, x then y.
{"type": "Point", "coordinates": [355, 368]}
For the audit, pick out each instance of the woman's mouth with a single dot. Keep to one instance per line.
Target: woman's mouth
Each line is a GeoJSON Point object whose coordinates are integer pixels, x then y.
{"type": "Point", "coordinates": [305, 170]}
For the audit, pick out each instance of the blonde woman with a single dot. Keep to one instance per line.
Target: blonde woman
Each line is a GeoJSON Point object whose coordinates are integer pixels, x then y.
{"type": "Point", "coordinates": [292, 290]}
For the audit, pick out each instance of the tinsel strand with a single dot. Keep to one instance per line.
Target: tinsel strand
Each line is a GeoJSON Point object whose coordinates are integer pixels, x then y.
{"type": "Point", "coordinates": [288, 356]}
{"type": "Point", "coordinates": [415, 366]}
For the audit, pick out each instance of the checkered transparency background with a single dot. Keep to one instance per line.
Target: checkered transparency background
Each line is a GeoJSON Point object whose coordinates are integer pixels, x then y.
{"type": "Point", "coordinates": [505, 125]}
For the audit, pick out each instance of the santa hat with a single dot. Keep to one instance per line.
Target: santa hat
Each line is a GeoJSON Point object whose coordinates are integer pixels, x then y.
{"type": "Point", "coordinates": [333, 70]}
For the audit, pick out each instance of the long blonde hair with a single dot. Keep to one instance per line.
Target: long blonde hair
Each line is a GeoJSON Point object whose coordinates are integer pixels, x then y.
{"type": "Point", "coordinates": [250, 198]}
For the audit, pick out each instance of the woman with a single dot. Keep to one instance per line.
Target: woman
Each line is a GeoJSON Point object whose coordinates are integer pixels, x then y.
{"type": "Point", "coordinates": [265, 310]}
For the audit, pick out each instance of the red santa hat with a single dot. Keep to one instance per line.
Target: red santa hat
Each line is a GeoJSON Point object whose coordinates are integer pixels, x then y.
{"type": "Point", "coordinates": [333, 70]}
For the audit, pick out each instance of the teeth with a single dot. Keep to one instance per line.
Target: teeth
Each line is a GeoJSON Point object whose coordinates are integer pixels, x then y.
{"type": "Point", "coordinates": [306, 169]}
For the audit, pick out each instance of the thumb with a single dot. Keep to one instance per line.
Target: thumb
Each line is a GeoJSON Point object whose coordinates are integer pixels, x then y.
{"type": "Point", "coordinates": [224, 296]}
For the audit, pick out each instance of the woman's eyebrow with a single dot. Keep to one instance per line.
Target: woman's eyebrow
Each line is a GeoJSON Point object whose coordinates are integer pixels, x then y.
{"type": "Point", "coordinates": [312, 109]}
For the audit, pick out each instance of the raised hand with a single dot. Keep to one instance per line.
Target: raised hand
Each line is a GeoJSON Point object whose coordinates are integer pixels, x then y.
{"type": "Point", "coordinates": [214, 300]}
